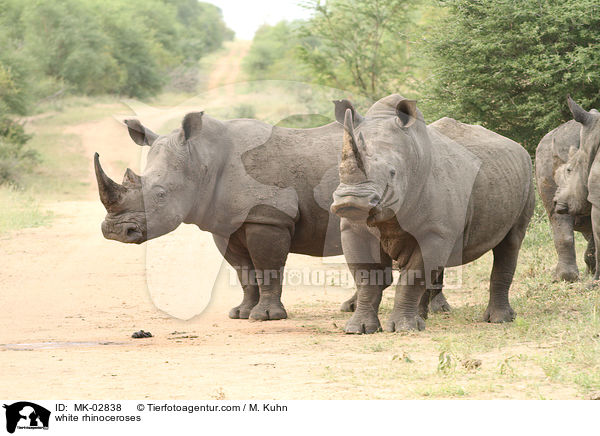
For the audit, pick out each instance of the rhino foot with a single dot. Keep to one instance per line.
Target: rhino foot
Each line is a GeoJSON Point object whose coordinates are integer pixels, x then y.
{"type": "Point", "coordinates": [592, 284]}
{"type": "Point", "coordinates": [268, 311]}
{"type": "Point", "coordinates": [240, 312]}
{"type": "Point", "coordinates": [590, 262]}
{"type": "Point", "coordinates": [363, 322]}
{"type": "Point", "coordinates": [349, 305]}
{"type": "Point", "coordinates": [402, 323]}
{"type": "Point", "coordinates": [498, 315]}
{"type": "Point", "coordinates": [566, 273]}
{"type": "Point", "coordinates": [439, 304]}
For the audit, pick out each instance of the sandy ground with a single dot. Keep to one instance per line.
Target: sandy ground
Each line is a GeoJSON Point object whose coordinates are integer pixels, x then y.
{"type": "Point", "coordinates": [72, 299]}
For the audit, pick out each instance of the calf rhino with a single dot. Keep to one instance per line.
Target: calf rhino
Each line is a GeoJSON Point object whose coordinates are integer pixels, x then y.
{"type": "Point", "coordinates": [437, 196]}
{"type": "Point", "coordinates": [262, 191]}
{"type": "Point", "coordinates": [551, 156]}
{"type": "Point", "coordinates": [578, 190]}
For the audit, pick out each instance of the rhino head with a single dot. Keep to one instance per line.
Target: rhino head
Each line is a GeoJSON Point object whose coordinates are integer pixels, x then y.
{"type": "Point", "coordinates": [573, 177]}
{"type": "Point", "coordinates": [377, 159]}
{"type": "Point", "coordinates": [157, 202]}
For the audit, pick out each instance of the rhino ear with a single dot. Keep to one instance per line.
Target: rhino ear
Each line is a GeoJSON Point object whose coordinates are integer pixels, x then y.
{"type": "Point", "coordinates": [406, 110]}
{"type": "Point", "coordinates": [579, 114]}
{"type": "Point", "coordinates": [140, 134]}
{"type": "Point", "coordinates": [340, 112]}
{"type": "Point", "coordinates": [192, 124]}
{"type": "Point", "coordinates": [572, 151]}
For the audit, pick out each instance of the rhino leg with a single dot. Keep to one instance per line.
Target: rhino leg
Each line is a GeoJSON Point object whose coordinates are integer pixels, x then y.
{"type": "Point", "coordinates": [235, 253]}
{"type": "Point", "coordinates": [405, 315]}
{"type": "Point", "coordinates": [246, 276]}
{"type": "Point", "coordinates": [564, 242]}
{"type": "Point", "coordinates": [505, 262]}
{"type": "Point", "coordinates": [438, 302]}
{"type": "Point", "coordinates": [349, 305]}
{"type": "Point", "coordinates": [590, 253]}
{"type": "Point", "coordinates": [596, 231]}
{"type": "Point", "coordinates": [268, 246]}
{"type": "Point", "coordinates": [371, 280]}
{"type": "Point", "coordinates": [433, 299]}
{"type": "Point", "coordinates": [371, 268]}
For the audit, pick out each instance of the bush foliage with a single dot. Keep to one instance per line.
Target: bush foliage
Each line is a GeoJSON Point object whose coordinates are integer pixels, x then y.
{"type": "Point", "coordinates": [124, 47]}
{"type": "Point", "coordinates": [273, 54]}
{"type": "Point", "coordinates": [360, 46]}
{"type": "Point", "coordinates": [510, 65]}
{"type": "Point", "coordinates": [16, 158]}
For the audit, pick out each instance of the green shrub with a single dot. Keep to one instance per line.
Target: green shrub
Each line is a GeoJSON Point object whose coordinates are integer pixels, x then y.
{"type": "Point", "coordinates": [273, 54]}
{"type": "Point", "coordinates": [16, 158]}
{"type": "Point", "coordinates": [125, 47]}
{"type": "Point", "coordinates": [510, 65]}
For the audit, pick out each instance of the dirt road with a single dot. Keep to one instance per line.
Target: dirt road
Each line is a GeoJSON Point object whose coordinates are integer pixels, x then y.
{"type": "Point", "coordinates": [226, 70]}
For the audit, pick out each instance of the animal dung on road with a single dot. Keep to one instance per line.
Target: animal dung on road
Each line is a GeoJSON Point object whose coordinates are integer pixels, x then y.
{"type": "Point", "coordinates": [141, 334]}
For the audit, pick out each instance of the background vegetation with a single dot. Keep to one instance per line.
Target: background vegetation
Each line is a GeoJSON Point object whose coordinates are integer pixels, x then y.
{"type": "Point", "coordinates": [125, 47]}
{"type": "Point", "coordinates": [510, 65]}
{"type": "Point", "coordinates": [504, 64]}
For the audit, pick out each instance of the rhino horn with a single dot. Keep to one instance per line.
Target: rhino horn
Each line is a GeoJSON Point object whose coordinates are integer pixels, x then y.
{"type": "Point", "coordinates": [352, 169]}
{"type": "Point", "coordinates": [132, 178]}
{"type": "Point", "coordinates": [579, 114]}
{"type": "Point", "coordinates": [110, 191]}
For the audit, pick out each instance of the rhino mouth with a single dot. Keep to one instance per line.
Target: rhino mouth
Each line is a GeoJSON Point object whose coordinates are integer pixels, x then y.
{"type": "Point", "coordinates": [364, 206]}
{"type": "Point", "coordinates": [128, 232]}
{"type": "Point", "coordinates": [352, 213]}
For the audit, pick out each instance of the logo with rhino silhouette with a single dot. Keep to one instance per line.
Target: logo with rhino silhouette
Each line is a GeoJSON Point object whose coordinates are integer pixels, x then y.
{"type": "Point", "coordinates": [26, 415]}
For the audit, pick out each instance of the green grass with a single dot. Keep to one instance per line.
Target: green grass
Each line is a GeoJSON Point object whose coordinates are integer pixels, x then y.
{"type": "Point", "coordinates": [20, 210]}
{"type": "Point", "coordinates": [551, 350]}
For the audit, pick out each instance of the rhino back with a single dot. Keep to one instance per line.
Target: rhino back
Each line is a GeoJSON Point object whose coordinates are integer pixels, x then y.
{"type": "Point", "coordinates": [503, 160]}
{"type": "Point", "coordinates": [305, 160]}
{"type": "Point", "coordinates": [502, 189]}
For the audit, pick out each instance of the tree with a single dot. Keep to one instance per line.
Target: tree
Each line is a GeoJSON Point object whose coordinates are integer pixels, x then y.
{"type": "Point", "coordinates": [273, 53]}
{"type": "Point", "coordinates": [509, 65]}
{"type": "Point", "coordinates": [124, 47]}
{"type": "Point", "coordinates": [358, 45]}
{"type": "Point", "coordinates": [203, 28]}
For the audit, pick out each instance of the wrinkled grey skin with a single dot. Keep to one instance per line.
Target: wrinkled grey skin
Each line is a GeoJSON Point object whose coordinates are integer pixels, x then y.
{"type": "Point", "coordinates": [578, 192]}
{"type": "Point", "coordinates": [551, 156]}
{"type": "Point", "coordinates": [439, 196]}
{"type": "Point", "coordinates": [262, 191]}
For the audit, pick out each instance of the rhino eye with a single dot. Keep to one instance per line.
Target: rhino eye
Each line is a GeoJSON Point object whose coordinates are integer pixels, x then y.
{"type": "Point", "coordinates": [160, 194]}
{"type": "Point", "coordinates": [568, 170]}
{"type": "Point", "coordinates": [393, 172]}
